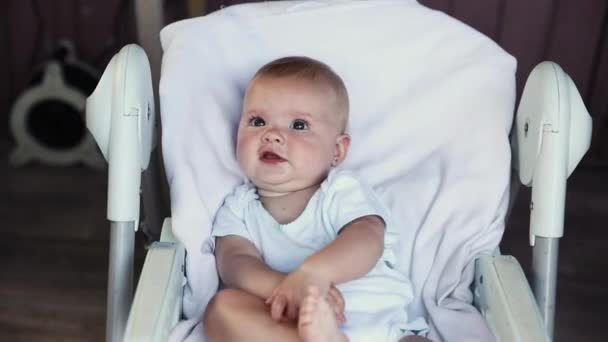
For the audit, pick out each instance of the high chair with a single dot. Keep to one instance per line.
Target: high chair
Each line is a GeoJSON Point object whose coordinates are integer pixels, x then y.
{"type": "Point", "coordinates": [432, 103]}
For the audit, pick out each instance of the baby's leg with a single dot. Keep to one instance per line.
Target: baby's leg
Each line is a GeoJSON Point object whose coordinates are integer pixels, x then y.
{"type": "Point", "coordinates": [317, 322]}
{"type": "Point", "coordinates": [235, 315]}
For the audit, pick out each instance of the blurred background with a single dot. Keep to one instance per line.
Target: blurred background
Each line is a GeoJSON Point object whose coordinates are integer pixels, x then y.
{"type": "Point", "coordinates": [54, 250]}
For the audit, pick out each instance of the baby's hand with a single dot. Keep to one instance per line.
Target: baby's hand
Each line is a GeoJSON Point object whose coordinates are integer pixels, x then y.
{"type": "Point", "coordinates": [334, 299]}
{"type": "Point", "coordinates": [286, 298]}
{"type": "Point", "coordinates": [336, 302]}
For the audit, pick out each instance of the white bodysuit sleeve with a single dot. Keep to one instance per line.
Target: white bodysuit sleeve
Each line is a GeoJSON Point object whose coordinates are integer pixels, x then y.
{"type": "Point", "coordinates": [230, 218]}
{"type": "Point", "coordinates": [347, 198]}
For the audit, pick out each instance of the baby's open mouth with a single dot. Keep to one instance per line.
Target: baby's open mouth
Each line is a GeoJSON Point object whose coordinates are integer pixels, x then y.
{"type": "Point", "coordinates": [271, 157]}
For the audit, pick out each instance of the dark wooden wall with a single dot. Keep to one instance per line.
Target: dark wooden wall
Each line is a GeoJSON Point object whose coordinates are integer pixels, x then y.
{"type": "Point", "coordinates": [570, 32]}
{"type": "Point", "coordinates": [30, 31]}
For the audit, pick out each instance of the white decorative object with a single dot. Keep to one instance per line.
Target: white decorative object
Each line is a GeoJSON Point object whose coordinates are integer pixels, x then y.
{"type": "Point", "coordinates": [55, 96]}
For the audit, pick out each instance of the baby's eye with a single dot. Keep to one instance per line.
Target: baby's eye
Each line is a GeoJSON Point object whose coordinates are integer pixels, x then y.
{"type": "Point", "coordinates": [257, 122]}
{"type": "Point", "coordinates": [299, 124]}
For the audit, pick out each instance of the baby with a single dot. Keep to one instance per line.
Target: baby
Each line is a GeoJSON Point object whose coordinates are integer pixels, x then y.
{"type": "Point", "coordinates": [301, 248]}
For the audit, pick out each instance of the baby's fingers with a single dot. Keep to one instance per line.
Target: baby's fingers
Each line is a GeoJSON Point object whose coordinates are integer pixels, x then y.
{"type": "Point", "coordinates": [277, 307]}
{"type": "Point", "coordinates": [337, 295]}
{"type": "Point", "coordinates": [338, 314]}
{"type": "Point", "coordinates": [334, 304]}
{"type": "Point", "coordinates": [271, 298]}
{"type": "Point", "coordinates": [292, 311]}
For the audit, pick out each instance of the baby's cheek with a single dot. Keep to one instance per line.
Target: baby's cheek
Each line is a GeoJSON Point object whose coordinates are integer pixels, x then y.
{"type": "Point", "coordinates": [243, 144]}
{"type": "Point", "coordinates": [243, 153]}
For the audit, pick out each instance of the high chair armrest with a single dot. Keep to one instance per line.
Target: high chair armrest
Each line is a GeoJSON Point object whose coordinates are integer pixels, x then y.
{"type": "Point", "coordinates": [156, 307]}
{"type": "Point", "coordinates": [504, 298]}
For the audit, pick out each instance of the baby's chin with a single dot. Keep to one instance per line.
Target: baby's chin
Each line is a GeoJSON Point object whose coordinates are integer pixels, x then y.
{"type": "Point", "coordinates": [272, 193]}
{"type": "Point", "coordinates": [274, 188]}
{"type": "Point", "coordinates": [269, 188]}
{"type": "Point", "coordinates": [278, 190]}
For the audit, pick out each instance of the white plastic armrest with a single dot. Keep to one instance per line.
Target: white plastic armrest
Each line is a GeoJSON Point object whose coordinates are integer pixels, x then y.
{"type": "Point", "coordinates": [156, 306]}
{"type": "Point", "coordinates": [552, 134]}
{"type": "Point", "coordinates": [504, 298]}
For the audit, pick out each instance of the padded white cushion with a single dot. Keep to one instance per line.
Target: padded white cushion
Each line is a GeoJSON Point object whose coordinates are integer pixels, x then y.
{"type": "Point", "coordinates": [431, 109]}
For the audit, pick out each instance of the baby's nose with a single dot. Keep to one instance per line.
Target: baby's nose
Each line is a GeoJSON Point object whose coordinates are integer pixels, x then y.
{"type": "Point", "coordinates": [273, 136]}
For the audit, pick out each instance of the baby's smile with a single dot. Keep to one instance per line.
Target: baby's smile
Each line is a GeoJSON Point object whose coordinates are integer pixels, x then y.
{"type": "Point", "coordinates": [271, 157]}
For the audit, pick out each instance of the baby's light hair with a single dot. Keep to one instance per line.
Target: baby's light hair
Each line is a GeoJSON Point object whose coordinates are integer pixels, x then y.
{"type": "Point", "coordinates": [313, 70]}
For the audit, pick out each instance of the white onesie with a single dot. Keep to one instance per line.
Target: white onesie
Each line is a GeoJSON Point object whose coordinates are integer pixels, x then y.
{"type": "Point", "coordinates": [376, 303]}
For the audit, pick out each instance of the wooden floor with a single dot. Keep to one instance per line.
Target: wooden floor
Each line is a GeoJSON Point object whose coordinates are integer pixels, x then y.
{"type": "Point", "coordinates": [54, 252]}
{"type": "Point", "coordinates": [582, 288]}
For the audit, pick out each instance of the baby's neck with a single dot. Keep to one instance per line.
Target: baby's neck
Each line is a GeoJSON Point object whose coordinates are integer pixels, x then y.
{"type": "Point", "coordinates": [285, 208]}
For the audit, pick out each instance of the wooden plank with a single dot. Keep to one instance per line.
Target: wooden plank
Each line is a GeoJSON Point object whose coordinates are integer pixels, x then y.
{"type": "Point", "coordinates": [63, 15]}
{"type": "Point", "coordinates": [178, 10]}
{"type": "Point", "coordinates": [98, 29]}
{"type": "Point", "coordinates": [48, 41]}
{"type": "Point", "coordinates": [484, 16]}
{"type": "Point", "coordinates": [60, 18]}
{"type": "Point", "coordinates": [54, 289]}
{"type": "Point", "coordinates": [22, 43]}
{"type": "Point", "coordinates": [38, 201]}
{"type": "Point", "coordinates": [524, 30]}
{"type": "Point", "coordinates": [5, 75]}
{"type": "Point", "coordinates": [598, 97]}
{"type": "Point", "coordinates": [196, 7]}
{"type": "Point", "coordinates": [598, 100]}
{"type": "Point", "coordinates": [574, 36]}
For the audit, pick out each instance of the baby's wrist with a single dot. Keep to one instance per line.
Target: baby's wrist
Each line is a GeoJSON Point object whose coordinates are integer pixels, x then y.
{"type": "Point", "coordinates": [274, 278]}
{"type": "Point", "coordinates": [316, 270]}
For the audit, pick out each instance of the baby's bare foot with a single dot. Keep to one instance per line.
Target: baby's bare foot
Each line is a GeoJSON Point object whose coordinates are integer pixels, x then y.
{"type": "Point", "coordinates": [317, 322]}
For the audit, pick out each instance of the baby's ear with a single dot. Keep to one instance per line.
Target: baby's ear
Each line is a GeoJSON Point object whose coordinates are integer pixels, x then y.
{"type": "Point", "coordinates": [342, 144]}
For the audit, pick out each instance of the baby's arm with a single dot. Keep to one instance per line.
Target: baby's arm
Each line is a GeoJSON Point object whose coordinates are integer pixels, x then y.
{"type": "Point", "coordinates": [352, 254]}
{"type": "Point", "coordinates": [240, 265]}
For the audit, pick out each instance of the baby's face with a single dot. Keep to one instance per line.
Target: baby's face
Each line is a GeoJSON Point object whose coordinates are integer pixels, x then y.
{"type": "Point", "coordinates": [290, 134]}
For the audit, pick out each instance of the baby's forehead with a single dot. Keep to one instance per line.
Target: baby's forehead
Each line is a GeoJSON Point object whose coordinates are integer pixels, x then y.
{"type": "Point", "coordinates": [279, 87]}
{"type": "Point", "coordinates": [336, 107]}
{"type": "Point", "coordinates": [272, 81]}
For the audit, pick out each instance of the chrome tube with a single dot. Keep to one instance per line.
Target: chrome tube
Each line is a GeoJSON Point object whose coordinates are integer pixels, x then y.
{"type": "Point", "coordinates": [544, 273]}
{"type": "Point", "coordinates": [120, 279]}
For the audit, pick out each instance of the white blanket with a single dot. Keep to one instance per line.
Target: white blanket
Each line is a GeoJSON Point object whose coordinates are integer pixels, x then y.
{"type": "Point", "coordinates": [431, 109]}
